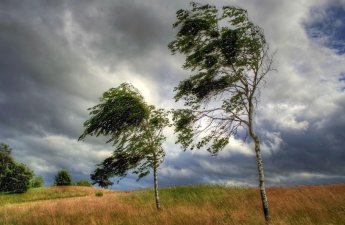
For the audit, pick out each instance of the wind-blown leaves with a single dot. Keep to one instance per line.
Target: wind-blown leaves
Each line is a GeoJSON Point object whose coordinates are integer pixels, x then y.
{"type": "Point", "coordinates": [120, 109]}
{"type": "Point", "coordinates": [229, 56]}
{"type": "Point", "coordinates": [135, 130]}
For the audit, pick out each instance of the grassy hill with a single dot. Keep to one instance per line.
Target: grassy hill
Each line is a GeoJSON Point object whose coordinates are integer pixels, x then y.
{"type": "Point", "coordinates": [185, 205]}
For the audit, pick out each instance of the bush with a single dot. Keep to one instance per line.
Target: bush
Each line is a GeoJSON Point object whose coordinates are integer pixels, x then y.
{"type": "Point", "coordinates": [99, 194]}
{"type": "Point", "coordinates": [85, 183]}
{"type": "Point", "coordinates": [37, 182]}
{"type": "Point", "coordinates": [14, 177]}
{"type": "Point", "coordinates": [63, 178]}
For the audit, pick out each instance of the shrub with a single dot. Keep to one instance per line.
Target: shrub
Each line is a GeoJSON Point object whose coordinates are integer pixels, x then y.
{"type": "Point", "coordinates": [37, 182]}
{"type": "Point", "coordinates": [63, 178]}
{"type": "Point", "coordinates": [85, 183]}
{"type": "Point", "coordinates": [99, 194]}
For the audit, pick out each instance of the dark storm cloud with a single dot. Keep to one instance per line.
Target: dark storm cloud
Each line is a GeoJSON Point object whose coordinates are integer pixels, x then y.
{"type": "Point", "coordinates": [39, 73]}
{"type": "Point", "coordinates": [58, 57]}
{"type": "Point", "coordinates": [46, 85]}
{"type": "Point", "coordinates": [327, 25]}
{"type": "Point", "coordinates": [34, 51]}
{"type": "Point", "coordinates": [311, 156]}
{"type": "Point", "coordinates": [43, 79]}
{"type": "Point", "coordinates": [40, 85]}
{"type": "Point", "coordinates": [124, 30]}
{"type": "Point", "coordinates": [189, 168]}
{"type": "Point", "coordinates": [130, 33]}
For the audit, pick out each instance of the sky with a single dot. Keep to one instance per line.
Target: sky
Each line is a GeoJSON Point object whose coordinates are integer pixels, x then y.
{"type": "Point", "coordinates": [58, 57]}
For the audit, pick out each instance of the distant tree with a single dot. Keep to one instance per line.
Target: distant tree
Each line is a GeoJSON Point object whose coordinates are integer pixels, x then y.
{"type": "Point", "coordinates": [84, 183]}
{"type": "Point", "coordinates": [135, 129]}
{"type": "Point", "coordinates": [5, 158]}
{"type": "Point", "coordinates": [37, 182]}
{"type": "Point", "coordinates": [230, 59]}
{"type": "Point", "coordinates": [63, 178]}
{"type": "Point", "coordinates": [5, 149]}
{"type": "Point", "coordinates": [14, 177]}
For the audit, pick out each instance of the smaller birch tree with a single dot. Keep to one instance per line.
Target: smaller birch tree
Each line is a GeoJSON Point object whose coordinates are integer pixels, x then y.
{"type": "Point", "coordinates": [136, 131]}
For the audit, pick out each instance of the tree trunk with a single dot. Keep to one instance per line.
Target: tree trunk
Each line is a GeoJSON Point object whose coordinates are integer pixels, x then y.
{"type": "Point", "coordinates": [260, 165]}
{"type": "Point", "coordinates": [262, 180]}
{"type": "Point", "coordinates": [155, 180]}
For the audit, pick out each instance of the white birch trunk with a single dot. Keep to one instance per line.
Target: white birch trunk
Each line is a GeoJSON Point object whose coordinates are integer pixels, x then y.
{"type": "Point", "coordinates": [259, 164]}
{"type": "Point", "coordinates": [155, 180]}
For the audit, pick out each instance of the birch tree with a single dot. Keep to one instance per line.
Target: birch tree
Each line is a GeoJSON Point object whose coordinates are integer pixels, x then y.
{"type": "Point", "coordinates": [229, 58]}
{"type": "Point", "coordinates": [136, 131]}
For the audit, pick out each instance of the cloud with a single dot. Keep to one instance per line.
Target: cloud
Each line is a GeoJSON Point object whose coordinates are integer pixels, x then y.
{"type": "Point", "coordinates": [58, 57]}
{"type": "Point", "coordinates": [326, 25]}
{"type": "Point", "coordinates": [46, 154]}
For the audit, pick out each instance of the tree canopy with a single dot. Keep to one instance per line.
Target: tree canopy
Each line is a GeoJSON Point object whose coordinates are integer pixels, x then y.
{"type": "Point", "coordinates": [62, 178]}
{"type": "Point", "coordinates": [229, 57]}
{"type": "Point", "coordinates": [135, 130]}
{"type": "Point", "coordinates": [121, 110]}
{"type": "Point", "coordinates": [14, 177]}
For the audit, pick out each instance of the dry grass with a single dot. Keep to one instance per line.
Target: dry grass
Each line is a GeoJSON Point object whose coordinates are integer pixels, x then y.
{"type": "Point", "coordinates": [37, 194]}
{"type": "Point", "coordinates": [206, 205]}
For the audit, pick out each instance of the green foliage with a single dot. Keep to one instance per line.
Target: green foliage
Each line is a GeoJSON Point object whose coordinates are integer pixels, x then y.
{"type": "Point", "coordinates": [84, 183]}
{"type": "Point", "coordinates": [101, 176]}
{"type": "Point", "coordinates": [37, 182]}
{"type": "Point", "coordinates": [5, 150]}
{"type": "Point", "coordinates": [14, 177]}
{"type": "Point", "coordinates": [229, 57]}
{"type": "Point", "coordinates": [135, 129]}
{"type": "Point", "coordinates": [62, 178]}
{"type": "Point", "coordinates": [99, 194]}
{"type": "Point", "coordinates": [121, 110]}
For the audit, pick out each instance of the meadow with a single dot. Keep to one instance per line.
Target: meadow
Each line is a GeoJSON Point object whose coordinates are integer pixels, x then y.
{"type": "Point", "coordinates": [185, 205]}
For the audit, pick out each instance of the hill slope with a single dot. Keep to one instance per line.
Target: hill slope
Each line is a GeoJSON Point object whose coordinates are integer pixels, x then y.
{"type": "Point", "coordinates": [185, 205]}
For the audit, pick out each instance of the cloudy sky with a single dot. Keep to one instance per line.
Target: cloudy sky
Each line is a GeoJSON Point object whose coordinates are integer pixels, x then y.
{"type": "Point", "coordinates": [58, 57]}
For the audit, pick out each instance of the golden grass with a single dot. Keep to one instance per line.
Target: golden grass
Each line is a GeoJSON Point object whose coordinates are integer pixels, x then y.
{"type": "Point", "coordinates": [199, 205]}
{"type": "Point", "coordinates": [55, 192]}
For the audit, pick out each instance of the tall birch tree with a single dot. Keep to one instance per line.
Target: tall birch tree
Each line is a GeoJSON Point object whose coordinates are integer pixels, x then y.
{"type": "Point", "coordinates": [229, 58]}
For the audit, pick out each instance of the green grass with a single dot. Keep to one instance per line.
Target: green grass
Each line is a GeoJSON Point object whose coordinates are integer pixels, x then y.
{"type": "Point", "coordinates": [39, 194]}
{"type": "Point", "coordinates": [196, 194]}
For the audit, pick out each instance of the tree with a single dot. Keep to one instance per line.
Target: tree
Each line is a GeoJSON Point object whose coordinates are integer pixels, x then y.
{"type": "Point", "coordinates": [37, 182]}
{"type": "Point", "coordinates": [230, 59]}
{"type": "Point", "coordinates": [135, 129]}
{"type": "Point", "coordinates": [63, 178]}
{"type": "Point", "coordinates": [14, 177]}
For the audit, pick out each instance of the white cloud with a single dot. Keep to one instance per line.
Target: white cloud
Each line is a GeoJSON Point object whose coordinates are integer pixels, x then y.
{"type": "Point", "coordinates": [237, 146]}
{"type": "Point", "coordinates": [176, 173]}
{"type": "Point", "coordinates": [285, 116]}
{"type": "Point", "coordinates": [271, 142]}
{"type": "Point", "coordinates": [302, 177]}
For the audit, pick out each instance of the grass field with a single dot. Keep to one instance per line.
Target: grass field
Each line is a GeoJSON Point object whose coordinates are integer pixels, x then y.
{"type": "Point", "coordinates": [199, 205]}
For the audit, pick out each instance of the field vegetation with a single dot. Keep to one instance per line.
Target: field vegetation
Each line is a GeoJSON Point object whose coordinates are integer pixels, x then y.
{"type": "Point", "coordinates": [187, 205]}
